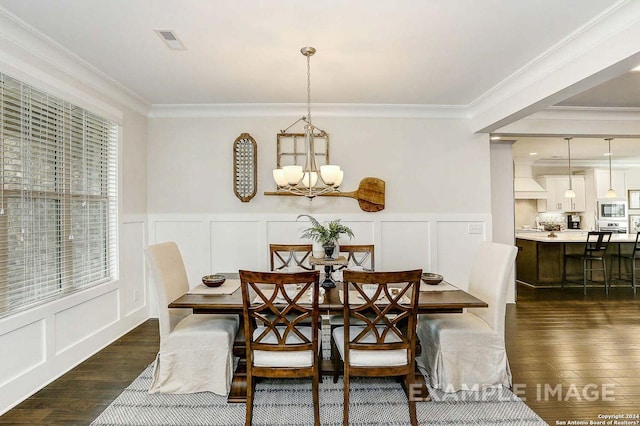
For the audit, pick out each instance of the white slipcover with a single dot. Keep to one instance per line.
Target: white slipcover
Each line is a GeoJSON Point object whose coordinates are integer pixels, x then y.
{"type": "Point", "coordinates": [196, 351]}
{"type": "Point", "coordinates": [467, 351]}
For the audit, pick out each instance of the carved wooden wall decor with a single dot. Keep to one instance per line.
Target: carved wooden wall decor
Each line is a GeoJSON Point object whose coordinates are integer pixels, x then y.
{"type": "Point", "coordinates": [245, 160]}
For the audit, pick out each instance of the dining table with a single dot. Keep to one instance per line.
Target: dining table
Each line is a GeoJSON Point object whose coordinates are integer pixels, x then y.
{"type": "Point", "coordinates": [443, 299]}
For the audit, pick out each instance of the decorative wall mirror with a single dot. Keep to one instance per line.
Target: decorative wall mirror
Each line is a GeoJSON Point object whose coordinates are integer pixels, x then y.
{"type": "Point", "coordinates": [245, 159]}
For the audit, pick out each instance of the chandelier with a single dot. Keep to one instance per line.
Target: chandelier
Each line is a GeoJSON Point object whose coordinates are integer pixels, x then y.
{"type": "Point", "coordinates": [308, 180]}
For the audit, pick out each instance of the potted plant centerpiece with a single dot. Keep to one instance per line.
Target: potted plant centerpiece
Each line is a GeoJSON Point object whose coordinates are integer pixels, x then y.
{"type": "Point", "coordinates": [327, 236]}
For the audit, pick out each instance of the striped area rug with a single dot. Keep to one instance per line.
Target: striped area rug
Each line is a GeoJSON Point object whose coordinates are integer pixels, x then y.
{"type": "Point", "coordinates": [289, 402]}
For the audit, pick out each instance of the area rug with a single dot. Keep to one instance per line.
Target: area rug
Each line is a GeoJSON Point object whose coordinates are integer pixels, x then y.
{"type": "Point", "coordinates": [288, 402]}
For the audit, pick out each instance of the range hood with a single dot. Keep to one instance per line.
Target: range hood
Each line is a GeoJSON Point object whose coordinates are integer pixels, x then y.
{"type": "Point", "coordinates": [524, 187]}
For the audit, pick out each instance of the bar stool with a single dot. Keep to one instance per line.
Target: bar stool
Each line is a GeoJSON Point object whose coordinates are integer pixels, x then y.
{"type": "Point", "coordinates": [594, 250]}
{"type": "Point", "coordinates": [632, 257]}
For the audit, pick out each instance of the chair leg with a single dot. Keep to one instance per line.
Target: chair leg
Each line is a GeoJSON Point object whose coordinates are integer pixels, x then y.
{"type": "Point", "coordinates": [409, 379]}
{"type": "Point", "coordinates": [604, 271]}
{"type": "Point", "coordinates": [316, 398]}
{"type": "Point", "coordinates": [249, 412]}
{"type": "Point", "coordinates": [633, 275]}
{"type": "Point", "coordinates": [584, 275]}
{"type": "Point", "coordinates": [345, 410]}
{"type": "Point", "coordinates": [335, 360]}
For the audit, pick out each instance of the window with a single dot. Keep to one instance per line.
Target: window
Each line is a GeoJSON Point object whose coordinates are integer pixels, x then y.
{"type": "Point", "coordinates": [58, 204]}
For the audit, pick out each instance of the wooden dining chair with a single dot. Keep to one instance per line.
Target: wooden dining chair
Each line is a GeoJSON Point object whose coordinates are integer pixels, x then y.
{"type": "Point", "coordinates": [360, 256]}
{"type": "Point", "coordinates": [290, 257]}
{"type": "Point", "coordinates": [196, 350]}
{"type": "Point", "coordinates": [281, 328]}
{"type": "Point", "coordinates": [378, 336]}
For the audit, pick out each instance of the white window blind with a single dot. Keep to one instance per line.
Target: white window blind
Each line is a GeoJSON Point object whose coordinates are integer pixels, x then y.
{"type": "Point", "coordinates": [58, 197]}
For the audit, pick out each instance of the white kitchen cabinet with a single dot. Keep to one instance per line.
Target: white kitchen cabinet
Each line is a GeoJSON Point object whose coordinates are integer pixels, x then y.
{"type": "Point", "coordinates": [556, 186]}
{"type": "Point", "coordinates": [618, 182]}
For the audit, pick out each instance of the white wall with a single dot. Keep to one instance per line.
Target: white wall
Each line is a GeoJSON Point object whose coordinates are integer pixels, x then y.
{"type": "Point", "coordinates": [39, 344]}
{"type": "Point", "coordinates": [429, 165]}
{"type": "Point", "coordinates": [502, 205]}
{"type": "Point", "coordinates": [437, 186]}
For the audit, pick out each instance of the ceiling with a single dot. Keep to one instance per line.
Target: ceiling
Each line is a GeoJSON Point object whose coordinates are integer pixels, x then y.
{"type": "Point", "coordinates": [584, 151]}
{"type": "Point", "coordinates": [426, 52]}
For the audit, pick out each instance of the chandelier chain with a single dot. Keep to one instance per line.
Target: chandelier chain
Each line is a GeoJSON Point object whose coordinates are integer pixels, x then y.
{"type": "Point", "coordinates": [309, 88]}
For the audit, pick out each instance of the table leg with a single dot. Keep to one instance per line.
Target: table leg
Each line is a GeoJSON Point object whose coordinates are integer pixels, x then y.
{"type": "Point", "coordinates": [328, 282]}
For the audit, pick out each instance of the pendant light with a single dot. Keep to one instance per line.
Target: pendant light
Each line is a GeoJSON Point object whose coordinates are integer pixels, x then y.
{"type": "Point", "coordinates": [310, 180]}
{"type": "Point", "coordinates": [569, 193]}
{"type": "Point", "coordinates": [611, 193]}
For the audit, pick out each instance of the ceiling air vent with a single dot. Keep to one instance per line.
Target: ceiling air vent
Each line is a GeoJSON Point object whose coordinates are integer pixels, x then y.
{"type": "Point", "coordinates": [170, 39]}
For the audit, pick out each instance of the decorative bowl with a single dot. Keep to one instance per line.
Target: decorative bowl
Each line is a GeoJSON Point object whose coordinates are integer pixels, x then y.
{"type": "Point", "coordinates": [431, 279]}
{"type": "Point", "coordinates": [215, 280]}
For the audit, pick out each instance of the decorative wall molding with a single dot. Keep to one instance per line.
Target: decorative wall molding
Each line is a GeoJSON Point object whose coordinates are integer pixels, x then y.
{"type": "Point", "coordinates": [438, 243]}
{"type": "Point", "coordinates": [603, 48]}
{"type": "Point", "coordinates": [30, 45]}
{"type": "Point", "coordinates": [50, 339]}
{"type": "Point", "coordinates": [296, 110]}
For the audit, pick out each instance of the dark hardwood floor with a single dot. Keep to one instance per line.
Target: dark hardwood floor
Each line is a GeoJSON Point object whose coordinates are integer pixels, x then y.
{"type": "Point", "coordinates": [576, 346]}
{"type": "Point", "coordinates": [573, 346]}
{"type": "Point", "coordinates": [79, 396]}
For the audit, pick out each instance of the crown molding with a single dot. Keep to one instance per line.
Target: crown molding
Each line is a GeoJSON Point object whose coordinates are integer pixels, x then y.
{"type": "Point", "coordinates": [602, 48]}
{"type": "Point", "coordinates": [30, 46]}
{"type": "Point", "coordinates": [587, 113]}
{"type": "Point", "coordinates": [298, 109]}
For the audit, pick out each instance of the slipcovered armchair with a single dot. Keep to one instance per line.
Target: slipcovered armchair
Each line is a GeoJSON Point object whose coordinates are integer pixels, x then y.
{"type": "Point", "coordinates": [195, 349]}
{"type": "Point", "coordinates": [467, 351]}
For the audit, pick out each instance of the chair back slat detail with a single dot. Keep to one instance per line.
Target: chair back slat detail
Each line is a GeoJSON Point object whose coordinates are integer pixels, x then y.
{"type": "Point", "coordinates": [597, 242]}
{"type": "Point", "coordinates": [279, 303]}
{"type": "Point", "coordinates": [389, 311]}
{"type": "Point", "coordinates": [283, 256]}
{"type": "Point", "coordinates": [636, 246]}
{"type": "Point", "coordinates": [362, 255]}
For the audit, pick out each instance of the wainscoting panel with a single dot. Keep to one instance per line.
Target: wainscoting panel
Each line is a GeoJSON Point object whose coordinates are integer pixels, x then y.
{"type": "Point", "coordinates": [194, 241]}
{"type": "Point", "coordinates": [39, 344]}
{"type": "Point", "coordinates": [236, 245]}
{"type": "Point", "coordinates": [29, 342]}
{"type": "Point", "coordinates": [443, 244]}
{"type": "Point", "coordinates": [404, 245]}
{"type": "Point", "coordinates": [285, 232]}
{"type": "Point", "coordinates": [364, 232]}
{"type": "Point", "coordinates": [97, 314]}
{"type": "Point", "coordinates": [457, 244]}
{"type": "Point", "coordinates": [134, 294]}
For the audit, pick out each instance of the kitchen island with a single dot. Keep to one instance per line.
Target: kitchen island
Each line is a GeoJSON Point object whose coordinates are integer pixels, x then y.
{"type": "Point", "coordinates": [540, 261]}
